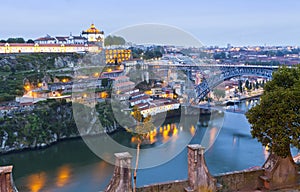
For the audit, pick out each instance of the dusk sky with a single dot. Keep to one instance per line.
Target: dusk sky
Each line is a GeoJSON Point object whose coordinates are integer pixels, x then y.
{"type": "Point", "coordinates": [213, 22]}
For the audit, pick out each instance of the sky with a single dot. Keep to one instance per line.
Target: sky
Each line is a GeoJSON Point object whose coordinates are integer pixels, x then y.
{"type": "Point", "coordinates": [211, 22]}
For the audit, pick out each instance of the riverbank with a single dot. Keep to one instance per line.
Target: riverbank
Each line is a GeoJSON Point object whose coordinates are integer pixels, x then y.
{"type": "Point", "coordinates": [52, 143]}
{"type": "Point", "coordinates": [106, 130]}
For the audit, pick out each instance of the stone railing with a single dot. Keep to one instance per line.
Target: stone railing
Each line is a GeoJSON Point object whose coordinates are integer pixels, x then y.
{"type": "Point", "coordinates": [276, 173]}
{"type": "Point", "coordinates": [6, 181]}
{"type": "Point", "coordinates": [246, 180]}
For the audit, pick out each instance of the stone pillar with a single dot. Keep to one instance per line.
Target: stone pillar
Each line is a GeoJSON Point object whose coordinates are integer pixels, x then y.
{"type": "Point", "coordinates": [6, 181]}
{"type": "Point", "coordinates": [121, 180]}
{"type": "Point", "coordinates": [199, 178]}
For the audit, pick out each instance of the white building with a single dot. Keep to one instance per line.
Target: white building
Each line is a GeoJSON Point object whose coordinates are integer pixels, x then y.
{"type": "Point", "coordinates": [94, 35]}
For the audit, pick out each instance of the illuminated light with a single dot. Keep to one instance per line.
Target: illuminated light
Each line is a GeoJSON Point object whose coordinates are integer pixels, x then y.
{"type": "Point", "coordinates": [152, 139]}
{"type": "Point", "coordinates": [63, 175]}
{"type": "Point", "coordinates": [65, 80]}
{"type": "Point", "coordinates": [175, 131]}
{"type": "Point", "coordinates": [165, 136]}
{"type": "Point", "coordinates": [212, 135]}
{"type": "Point", "coordinates": [181, 128]}
{"type": "Point", "coordinates": [96, 74]}
{"type": "Point", "coordinates": [154, 132]}
{"type": "Point", "coordinates": [40, 84]}
{"type": "Point", "coordinates": [160, 129]}
{"type": "Point", "coordinates": [36, 182]}
{"type": "Point", "coordinates": [109, 70]}
{"type": "Point", "coordinates": [85, 95]}
{"type": "Point", "coordinates": [133, 139]}
{"type": "Point", "coordinates": [104, 95]}
{"type": "Point", "coordinates": [192, 130]}
{"type": "Point", "coordinates": [168, 127]}
{"type": "Point", "coordinates": [58, 95]}
{"type": "Point", "coordinates": [27, 87]}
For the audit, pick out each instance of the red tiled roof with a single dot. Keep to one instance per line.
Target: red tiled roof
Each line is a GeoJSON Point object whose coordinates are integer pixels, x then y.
{"type": "Point", "coordinates": [123, 84]}
{"type": "Point", "coordinates": [142, 105]}
{"type": "Point", "coordinates": [136, 94]}
{"type": "Point", "coordinates": [61, 38]}
{"type": "Point", "coordinates": [45, 39]}
{"type": "Point", "coordinates": [20, 44]}
{"type": "Point", "coordinates": [140, 98]}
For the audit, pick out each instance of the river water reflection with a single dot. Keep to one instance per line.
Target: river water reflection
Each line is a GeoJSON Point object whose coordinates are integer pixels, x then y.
{"type": "Point", "coordinates": [71, 166]}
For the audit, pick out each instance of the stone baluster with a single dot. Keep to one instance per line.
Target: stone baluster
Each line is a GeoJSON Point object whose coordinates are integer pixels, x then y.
{"type": "Point", "coordinates": [121, 180]}
{"type": "Point", "coordinates": [199, 178]}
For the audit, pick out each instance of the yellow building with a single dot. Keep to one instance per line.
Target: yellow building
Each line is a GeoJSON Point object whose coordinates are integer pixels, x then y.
{"type": "Point", "coordinates": [47, 48]}
{"type": "Point", "coordinates": [119, 55]}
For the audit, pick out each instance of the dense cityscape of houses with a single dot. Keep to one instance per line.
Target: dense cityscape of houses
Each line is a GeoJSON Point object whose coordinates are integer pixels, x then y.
{"type": "Point", "coordinates": [157, 99]}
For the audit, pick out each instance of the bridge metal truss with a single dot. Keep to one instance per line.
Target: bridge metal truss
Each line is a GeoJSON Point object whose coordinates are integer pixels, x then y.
{"type": "Point", "coordinates": [228, 72]}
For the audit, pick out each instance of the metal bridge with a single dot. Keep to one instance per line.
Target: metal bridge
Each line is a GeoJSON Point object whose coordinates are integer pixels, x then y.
{"type": "Point", "coordinates": [217, 73]}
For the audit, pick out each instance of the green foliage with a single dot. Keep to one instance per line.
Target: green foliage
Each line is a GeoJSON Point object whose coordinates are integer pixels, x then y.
{"type": "Point", "coordinates": [275, 121]}
{"type": "Point", "coordinates": [29, 41]}
{"type": "Point", "coordinates": [106, 115]}
{"type": "Point", "coordinates": [143, 125]}
{"type": "Point", "coordinates": [15, 40]}
{"type": "Point", "coordinates": [114, 40]}
{"type": "Point", "coordinates": [219, 93]}
{"type": "Point", "coordinates": [240, 86]}
{"type": "Point", "coordinates": [247, 84]}
{"type": "Point", "coordinates": [49, 121]}
{"type": "Point", "coordinates": [150, 53]}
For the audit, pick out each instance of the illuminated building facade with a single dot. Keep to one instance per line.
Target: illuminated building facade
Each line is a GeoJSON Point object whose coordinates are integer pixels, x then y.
{"type": "Point", "coordinates": [90, 40]}
{"type": "Point", "coordinates": [117, 55]}
{"type": "Point", "coordinates": [94, 35]}
{"type": "Point", "coordinates": [47, 48]}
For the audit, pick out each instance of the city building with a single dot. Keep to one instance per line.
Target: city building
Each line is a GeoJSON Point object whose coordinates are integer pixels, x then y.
{"type": "Point", "coordinates": [117, 55]}
{"type": "Point", "coordinates": [122, 83]}
{"type": "Point", "coordinates": [94, 35]}
{"type": "Point", "coordinates": [7, 48]}
{"type": "Point", "coordinates": [91, 40]}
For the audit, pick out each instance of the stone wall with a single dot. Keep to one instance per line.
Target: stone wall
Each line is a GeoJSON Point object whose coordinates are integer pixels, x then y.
{"type": "Point", "coordinates": [174, 186]}
{"type": "Point", "coordinates": [247, 180]}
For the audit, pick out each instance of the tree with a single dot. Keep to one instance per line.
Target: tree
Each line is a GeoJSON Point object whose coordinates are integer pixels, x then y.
{"type": "Point", "coordinates": [250, 86]}
{"type": "Point", "coordinates": [247, 84]}
{"type": "Point", "coordinates": [256, 84]}
{"type": "Point", "coordinates": [275, 121]}
{"type": "Point", "coordinates": [114, 40]}
{"type": "Point", "coordinates": [219, 93]}
{"type": "Point", "coordinates": [15, 40]}
{"type": "Point", "coordinates": [29, 41]}
{"type": "Point", "coordinates": [240, 86]}
{"type": "Point", "coordinates": [142, 129]}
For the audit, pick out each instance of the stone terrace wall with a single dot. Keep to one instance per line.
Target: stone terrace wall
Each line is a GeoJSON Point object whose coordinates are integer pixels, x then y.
{"type": "Point", "coordinates": [247, 180]}
{"type": "Point", "coordinates": [173, 186]}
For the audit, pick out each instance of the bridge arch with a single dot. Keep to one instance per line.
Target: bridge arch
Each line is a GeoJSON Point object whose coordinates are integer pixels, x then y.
{"type": "Point", "coordinates": [228, 72]}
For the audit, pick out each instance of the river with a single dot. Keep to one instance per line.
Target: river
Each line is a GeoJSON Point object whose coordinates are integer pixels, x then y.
{"type": "Point", "coordinates": [71, 166]}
